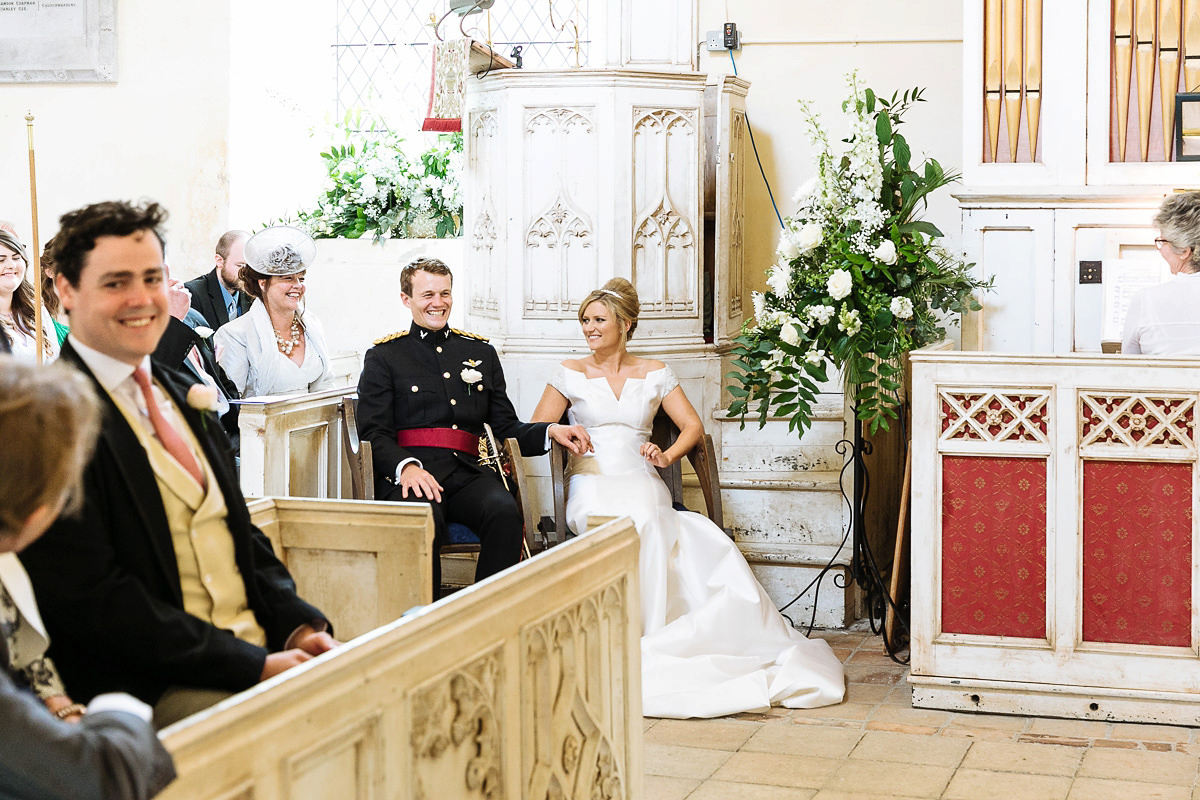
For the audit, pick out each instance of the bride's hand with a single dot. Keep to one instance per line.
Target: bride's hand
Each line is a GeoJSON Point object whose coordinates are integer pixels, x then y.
{"type": "Point", "coordinates": [652, 453]}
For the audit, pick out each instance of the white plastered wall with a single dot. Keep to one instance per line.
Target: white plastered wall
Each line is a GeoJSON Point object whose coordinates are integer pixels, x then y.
{"type": "Point", "coordinates": [159, 132]}
{"type": "Point", "coordinates": [801, 49]}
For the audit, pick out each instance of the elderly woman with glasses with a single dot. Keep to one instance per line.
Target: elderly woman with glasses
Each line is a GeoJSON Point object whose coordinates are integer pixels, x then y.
{"type": "Point", "coordinates": [1164, 320]}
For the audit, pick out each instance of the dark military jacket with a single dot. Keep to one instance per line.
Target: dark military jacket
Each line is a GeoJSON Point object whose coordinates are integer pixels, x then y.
{"type": "Point", "coordinates": [435, 379]}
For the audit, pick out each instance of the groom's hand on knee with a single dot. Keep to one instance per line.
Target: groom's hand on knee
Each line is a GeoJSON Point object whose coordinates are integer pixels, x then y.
{"type": "Point", "coordinates": [420, 483]}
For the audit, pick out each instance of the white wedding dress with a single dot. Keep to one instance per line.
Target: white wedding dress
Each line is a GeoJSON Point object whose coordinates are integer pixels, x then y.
{"type": "Point", "coordinates": [712, 642]}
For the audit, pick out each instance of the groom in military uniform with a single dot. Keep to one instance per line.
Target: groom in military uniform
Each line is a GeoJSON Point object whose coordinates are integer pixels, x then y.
{"type": "Point", "coordinates": [423, 398]}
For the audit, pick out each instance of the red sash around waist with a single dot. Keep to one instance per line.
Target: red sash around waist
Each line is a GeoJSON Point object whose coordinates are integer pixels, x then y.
{"type": "Point", "coordinates": [449, 438]}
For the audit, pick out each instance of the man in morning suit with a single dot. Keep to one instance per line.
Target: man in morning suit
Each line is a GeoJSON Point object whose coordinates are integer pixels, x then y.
{"type": "Point", "coordinates": [217, 294]}
{"type": "Point", "coordinates": [423, 398]}
{"type": "Point", "coordinates": [161, 587]}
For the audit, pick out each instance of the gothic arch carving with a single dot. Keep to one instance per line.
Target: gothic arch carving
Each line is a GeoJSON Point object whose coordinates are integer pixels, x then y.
{"type": "Point", "coordinates": [664, 246]}
{"type": "Point", "coordinates": [456, 743]}
{"type": "Point", "coordinates": [559, 256]}
{"type": "Point", "coordinates": [567, 658]}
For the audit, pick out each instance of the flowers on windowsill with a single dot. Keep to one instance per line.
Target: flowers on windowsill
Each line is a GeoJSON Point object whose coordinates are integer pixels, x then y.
{"type": "Point", "coordinates": [860, 279]}
{"type": "Point", "coordinates": [373, 188]}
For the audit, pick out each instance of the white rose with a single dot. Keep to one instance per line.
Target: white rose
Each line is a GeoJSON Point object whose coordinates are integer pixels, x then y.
{"type": "Point", "coordinates": [202, 398]}
{"type": "Point", "coordinates": [778, 279]}
{"type": "Point", "coordinates": [790, 332]}
{"type": "Point", "coordinates": [902, 307]}
{"type": "Point", "coordinates": [809, 237]}
{"type": "Point", "coordinates": [805, 191]}
{"type": "Point", "coordinates": [886, 252]}
{"type": "Point", "coordinates": [787, 248]}
{"type": "Point", "coordinates": [471, 375]}
{"type": "Point", "coordinates": [840, 284]}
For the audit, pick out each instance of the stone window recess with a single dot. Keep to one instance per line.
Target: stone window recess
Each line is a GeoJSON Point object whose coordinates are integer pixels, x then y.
{"type": "Point", "coordinates": [383, 48]}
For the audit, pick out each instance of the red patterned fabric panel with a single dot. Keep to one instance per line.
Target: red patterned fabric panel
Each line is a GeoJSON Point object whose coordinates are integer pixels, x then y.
{"type": "Point", "coordinates": [1137, 553]}
{"type": "Point", "coordinates": [994, 546]}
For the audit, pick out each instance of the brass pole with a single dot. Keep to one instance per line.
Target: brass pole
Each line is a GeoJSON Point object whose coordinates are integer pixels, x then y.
{"type": "Point", "coordinates": [38, 334]}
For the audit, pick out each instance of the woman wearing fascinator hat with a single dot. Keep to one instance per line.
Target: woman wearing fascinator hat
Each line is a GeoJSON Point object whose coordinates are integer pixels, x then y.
{"type": "Point", "coordinates": [275, 347]}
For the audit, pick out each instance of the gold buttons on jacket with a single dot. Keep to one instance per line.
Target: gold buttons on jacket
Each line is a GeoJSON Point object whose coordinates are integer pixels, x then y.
{"type": "Point", "coordinates": [453, 402]}
{"type": "Point", "coordinates": [445, 374]}
{"type": "Point", "coordinates": [439, 348]}
{"type": "Point", "coordinates": [414, 388]}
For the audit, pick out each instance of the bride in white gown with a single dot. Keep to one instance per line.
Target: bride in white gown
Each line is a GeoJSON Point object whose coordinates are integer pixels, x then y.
{"type": "Point", "coordinates": [712, 642]}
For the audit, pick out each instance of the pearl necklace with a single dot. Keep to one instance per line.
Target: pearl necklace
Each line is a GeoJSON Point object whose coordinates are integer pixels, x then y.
{"type": "Point", "coordinates": [287, 345]}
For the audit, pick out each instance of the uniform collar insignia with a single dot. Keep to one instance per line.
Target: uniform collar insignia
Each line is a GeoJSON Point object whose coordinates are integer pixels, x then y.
{"type": "Point", "coordinates": [425, 334]}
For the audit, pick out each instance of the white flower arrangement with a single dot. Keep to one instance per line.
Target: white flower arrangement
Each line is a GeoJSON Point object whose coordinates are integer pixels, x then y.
{"type": "Point", "coordinates": [373, 188]}
{"type": "Point", "coordinates": [861, 279]}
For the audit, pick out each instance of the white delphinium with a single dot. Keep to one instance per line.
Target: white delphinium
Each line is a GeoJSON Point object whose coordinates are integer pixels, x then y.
{"type": "Point", "coordinates": [819, 314]}
{"type": "Point", "coordinates": [805, 191]}
{"type": "Point", "coordinates": [773, 363]}
{"type": "Point", "coordinates": [774, 319]}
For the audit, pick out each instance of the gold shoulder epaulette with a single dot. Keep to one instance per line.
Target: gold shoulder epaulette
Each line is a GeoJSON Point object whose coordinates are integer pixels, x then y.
{"type": "Point", "coordinates": [390, 337]}
{"type": "Point", "coordinates": [469, 335]}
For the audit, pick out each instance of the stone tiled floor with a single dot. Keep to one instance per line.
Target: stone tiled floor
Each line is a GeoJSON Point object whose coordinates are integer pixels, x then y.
{"type": "Point", "coordinates": [876, 745]}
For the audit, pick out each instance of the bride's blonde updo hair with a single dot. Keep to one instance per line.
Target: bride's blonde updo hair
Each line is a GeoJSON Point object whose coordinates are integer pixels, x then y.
{"type": "Point", "coordinates": [620, 298]}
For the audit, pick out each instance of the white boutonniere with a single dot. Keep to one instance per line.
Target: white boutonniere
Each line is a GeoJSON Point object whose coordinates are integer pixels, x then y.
{"type": "Point", "coordinates": [202, 398]}
{"type": "Point", "coordinates": [471, 376]}
{"type": "Point", "coordinates": [203, 332]}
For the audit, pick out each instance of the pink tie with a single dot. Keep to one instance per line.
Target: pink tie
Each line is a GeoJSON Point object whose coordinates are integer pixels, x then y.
{"type": "Point", "coordinates": [168, 437]}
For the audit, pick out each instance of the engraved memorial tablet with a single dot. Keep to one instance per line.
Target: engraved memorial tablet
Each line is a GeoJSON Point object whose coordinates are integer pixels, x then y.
{"type": "Point", "coordinates": [58, 41]}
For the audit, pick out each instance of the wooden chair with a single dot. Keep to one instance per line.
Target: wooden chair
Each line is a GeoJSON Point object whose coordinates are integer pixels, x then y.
{"type": "Point", "coordinates": [358, 453]}
{"type": "Point", "coordinates": [362, 481]}
{"type": "Point", "coordinates": [664, 432]}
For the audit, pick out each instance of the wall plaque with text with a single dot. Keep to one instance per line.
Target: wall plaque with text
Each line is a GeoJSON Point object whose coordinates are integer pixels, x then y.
{"type": "Point", "coordinates": [58, 41]}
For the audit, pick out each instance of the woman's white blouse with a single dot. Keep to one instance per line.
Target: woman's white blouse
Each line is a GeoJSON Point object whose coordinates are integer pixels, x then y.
{"type": "Point", "coordinates": [250, 356]}
{"type": "Point", "coordinates": [1164, 320]}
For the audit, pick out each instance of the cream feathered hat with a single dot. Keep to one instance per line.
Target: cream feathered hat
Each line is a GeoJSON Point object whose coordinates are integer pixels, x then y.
{"type": "Point", "coordinates": [280, 250]}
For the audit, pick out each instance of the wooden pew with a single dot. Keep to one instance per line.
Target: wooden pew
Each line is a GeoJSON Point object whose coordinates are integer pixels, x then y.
{"type": "Point", "coordinates": [363, 564]}
{"type": "Point", "coordinates": [525, 685]}
{"type": "Point", "coordinates": [1054, 535]}
{"type": "Point", "coordinates": [292, 446]}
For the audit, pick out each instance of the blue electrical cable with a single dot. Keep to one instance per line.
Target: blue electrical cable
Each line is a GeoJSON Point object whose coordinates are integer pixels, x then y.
{"type": "Point", "coordinates": [770, 194]}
